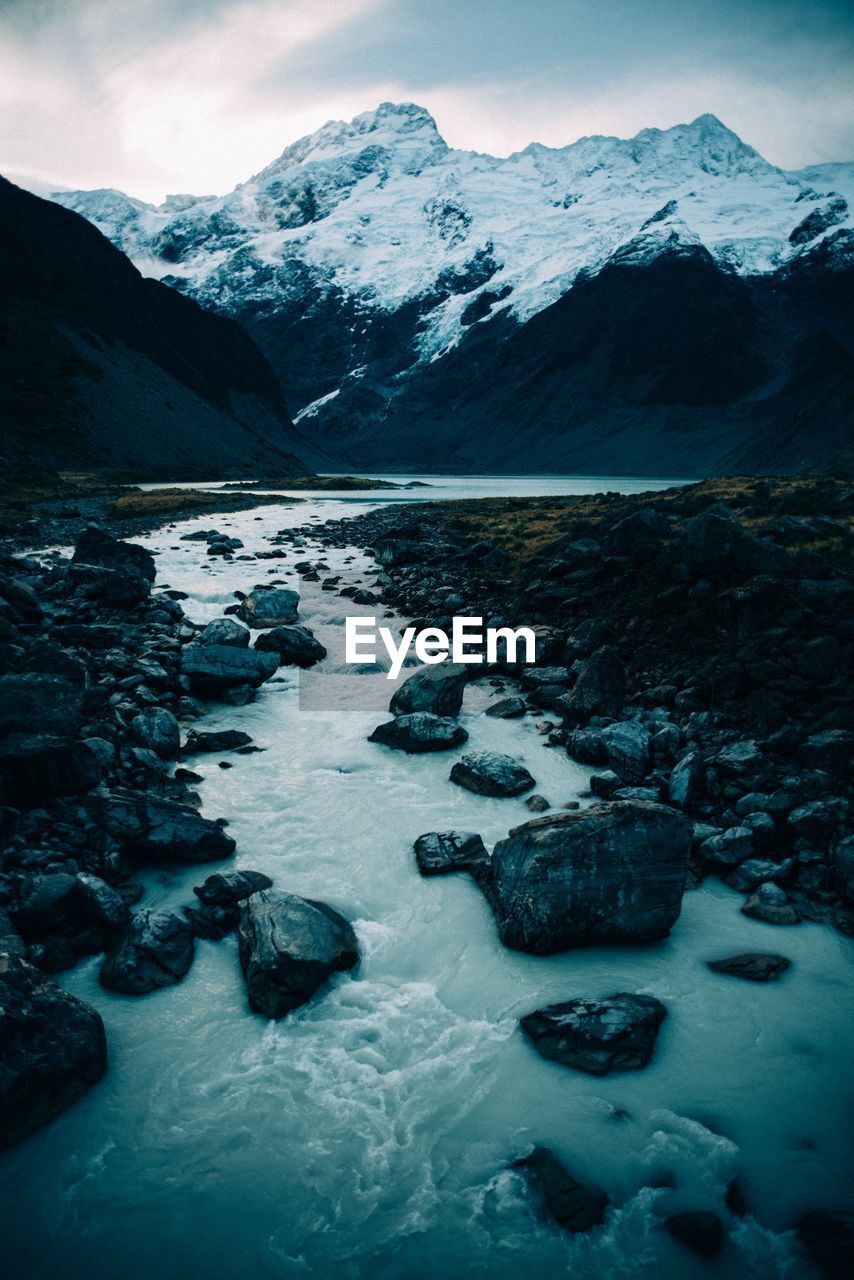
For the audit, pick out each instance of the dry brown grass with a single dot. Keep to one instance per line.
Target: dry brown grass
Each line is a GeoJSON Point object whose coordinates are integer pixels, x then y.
{"type": "Point", "coordinates": [524, 527]}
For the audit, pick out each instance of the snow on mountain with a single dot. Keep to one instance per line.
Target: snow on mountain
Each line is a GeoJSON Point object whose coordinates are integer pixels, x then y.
{"type": "Point", "coordinates": [382, 213]}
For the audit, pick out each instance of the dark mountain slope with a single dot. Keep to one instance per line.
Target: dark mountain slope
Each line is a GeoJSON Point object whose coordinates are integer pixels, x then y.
{"type": "Point", "coordinates": [667, 365]}
{"type": "Point", "coordinates": [100, 367]}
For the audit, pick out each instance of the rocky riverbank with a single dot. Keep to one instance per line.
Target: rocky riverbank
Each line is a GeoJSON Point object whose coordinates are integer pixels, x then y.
{"type": "Point", "coordinates": [694, 649]}
{"type": "Point", "coordinates": [99, 680]}
{"type": "Point", "coordinates": [670, 637]}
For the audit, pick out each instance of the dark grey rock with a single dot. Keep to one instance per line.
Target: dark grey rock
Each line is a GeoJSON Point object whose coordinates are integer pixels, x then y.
{"type": "Point", "coordinates": [489, 774]}
{"type": "Point", "coordinates": [225, 631]}
{"type": "Point", "coordinates": [161, 830]}
{"type": "Point", "coordinates": [214, 669]}
{"type": "Point", "coordinates": [697, 1229]}
{"type": "Point", "coordinates": [563, 1199]}
{"type": "Point", "coordinates": [770, 905]}
{"type": "Point", "coordinates": [212, 923]}
{"type": "Point", "coordinates": [206, 741]}
{"type": "Point", "coordinates": [289, 947]}
{"type": "Point", "coordinates": [156, 729]}
{"type": "Point", "coordinates": [616, 1033]}
{"type": "Point", "coordinates": [48, 902]}
{"type": "Point", "coordinates": [95, 547]}
{"type": "Point", "coordinates": [628, 746]}
{"type": "Point", "coordinates": [828, 1238]}
{"type": "Point", "coordinates": [438, 689]}
{"type": "Point", "coordinates": [727, 848]}
{"type": "Point", "coordinates": [100, 901]}
{"type": "Point", "coordinates": [52, 1049]}
{"type": "Point", "coordinates": [587, 746]}
{"type": "Point", "coordinates": [820, 819]}
{"type": "Point", "coordinates": [754, 871]}
{"type": "Point", "coordinates": [224, 888]}
{"type": "Point", "coordinates": [420, 732]}
{"type": "Point", "coordinates": [714, 546]}
{"type": "Point", "coordinates": [686, 779]}
{"type": "Point", "coordinates": [832, 750]}
{"type": "Point", "coordinates": [599, 689]}
{"type": "Point", "coordinates": [439, 852]}
{"type": "Point", "coordinates": [740, 759]}
{"type": "Point", "coordinates": [604, 785]}
{"type": "Point", "coordinates": [114, 588]}
{"type": "Point", "coordinates": [22, 597]}
{"type": "Point", "coordinates": [507, 708]}
{"type": "Point", "coordinates": [651, 794]}
{"type": "Point", "coordinates": [271, 607]}
{"type": "Point", "coordinates": [755, 966]}
{"type": "Point", "coordinates": [155, 950]}
{"type": "Point", "coordinates": [611, 873]}
{"type": "Point", "coordinates": [296, 646]}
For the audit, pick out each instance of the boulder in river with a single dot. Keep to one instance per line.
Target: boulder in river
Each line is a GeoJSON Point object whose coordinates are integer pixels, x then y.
{"type": "Point", "coordinates": [52, 1049]}
{"type": "Point", "coordinates": [755, 966]}
{"type": "Point", "coordinates": [225, 631]}
{"type": "Point", "coordinates": [697, 1229]}
{"type": "Point", "coordinates": [151, 827]}
{"type": "Point", "coordinates": [213, 669]}
{"type": "Point", "coordinates": [289, 947]}
{"type": "Point", "coordinates": [295, 646]}
{"type": "Point", "coordinates": [769, 904]}
{"type": "Point", "coordinates": [563, 1199]}
{"type": "Point", "coordinates": [156, 729]}
{"type": "Point", "coordinates": [221, 896]}
{"type": "Point", "coordinates": [507, 708]}
{"type": "Point", "coordinates": [224, 888]}
{"type": "Point", "coordinates": [206, 741]}
{"type": "Point", "coordinates": [420, 732]}
{"type": "Point", "coordinates": [828, 1238]}
{"type": "Point", "coordinates": [438, 688]}
{"type": "Point", "coordinates": [95, 547]}
{"type": "Point", "coordinates": [610, 873]}
{"type": "Point", "coordinates": [155, 950]}
{"type": "Point", "coordinates": [439, 852]}
{"type": "Point", "coordinates": [488, 773]}
{"type": "Point", "coordinates": [120, 589]}
{"type": "Point", "coordinates": [617, 1033]}
{"type": "Point", "coordinates": [100, 901]}
{"type": "Point", "coordinates": [269, 607]}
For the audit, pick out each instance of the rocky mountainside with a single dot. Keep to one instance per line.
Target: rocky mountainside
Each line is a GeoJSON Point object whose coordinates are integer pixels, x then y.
{"type": "Point", "coordinates": [102, 368]}
{"type": "Point", "coordinates": [401, 288]}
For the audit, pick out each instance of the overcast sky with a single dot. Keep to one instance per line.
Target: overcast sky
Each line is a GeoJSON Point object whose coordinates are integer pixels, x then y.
{"type": "Point", "coordinates": [157, 96]}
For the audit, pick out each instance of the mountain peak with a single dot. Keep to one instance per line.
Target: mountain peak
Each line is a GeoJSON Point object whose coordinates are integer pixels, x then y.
{"type": "Point", "coordinates": [403, 116]}
{"type": "Point", "coordinates": [399, 128]}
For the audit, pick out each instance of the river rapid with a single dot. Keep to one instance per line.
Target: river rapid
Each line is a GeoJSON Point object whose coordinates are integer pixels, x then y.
{"type": "Point", "coordinates": [368, 1135]}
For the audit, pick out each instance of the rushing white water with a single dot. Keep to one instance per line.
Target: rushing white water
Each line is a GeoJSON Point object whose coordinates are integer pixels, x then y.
{"type": "Point", "coordinates": [368, 1135]}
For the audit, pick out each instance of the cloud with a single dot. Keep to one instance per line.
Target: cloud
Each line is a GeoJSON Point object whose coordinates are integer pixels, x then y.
{"type": "Point", "coordinates": [164, 95]}
{"type": "Point", "coordinates": [142, 104]}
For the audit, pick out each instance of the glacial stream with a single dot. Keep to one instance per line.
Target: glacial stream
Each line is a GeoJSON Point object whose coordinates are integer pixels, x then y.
{"type": "Point", "coordinates": [368, 1136]}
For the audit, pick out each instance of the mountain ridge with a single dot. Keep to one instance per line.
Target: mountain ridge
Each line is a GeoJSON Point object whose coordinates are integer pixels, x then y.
{"type": "Point", "coordinates": [105, 368]}
{"type": "Point", "coordinates": [369, 252]}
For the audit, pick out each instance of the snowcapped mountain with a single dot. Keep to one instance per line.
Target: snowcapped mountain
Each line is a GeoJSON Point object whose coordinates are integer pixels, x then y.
{"type": "Point", "coordinates": [370, 252]}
